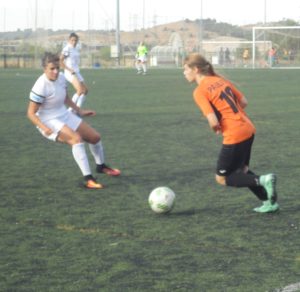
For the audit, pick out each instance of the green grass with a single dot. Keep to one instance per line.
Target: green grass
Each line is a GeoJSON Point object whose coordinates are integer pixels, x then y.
{"type": "Point", "coordinates": [57, 236]}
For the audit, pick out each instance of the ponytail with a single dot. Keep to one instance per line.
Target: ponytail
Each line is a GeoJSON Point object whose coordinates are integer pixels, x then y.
{"type": "Point", "coordinates": [198, 61]}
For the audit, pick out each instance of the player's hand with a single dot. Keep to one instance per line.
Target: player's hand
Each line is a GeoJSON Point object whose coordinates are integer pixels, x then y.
{"type": "Point", "coordinates": [217, 129]}
{"type": "Point", "coordinates": [86, 112]}
{"type": "Point", "coordinates": [48, 132]}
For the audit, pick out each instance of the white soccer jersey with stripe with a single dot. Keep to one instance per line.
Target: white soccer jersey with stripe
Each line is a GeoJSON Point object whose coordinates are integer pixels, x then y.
{"type": "Point", "coordinates": [72, 57]}
{"type": "Point", "coordinates": [51, 95]}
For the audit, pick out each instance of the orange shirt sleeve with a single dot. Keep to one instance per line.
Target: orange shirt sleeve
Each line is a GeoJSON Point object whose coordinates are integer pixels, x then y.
{"type": "Point", "coordinates": [202, 101]}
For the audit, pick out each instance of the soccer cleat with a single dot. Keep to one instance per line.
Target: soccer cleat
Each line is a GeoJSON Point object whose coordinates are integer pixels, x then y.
{"type": "Point", "coordinates": [268, 181]}
{"type": "Point", "coordinates": [93, 185]}
{"type": "Point", "coordinates": [103, 168]}
{"type": "Point", "coordinates": [267, 207]}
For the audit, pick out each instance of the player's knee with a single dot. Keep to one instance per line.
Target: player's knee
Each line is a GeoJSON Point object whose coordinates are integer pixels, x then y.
{"type": "Point", "coordinates": [221, 180]}
{"type": "Point", "coordinates": [75, 139]}
{"type": "Point", "coordinates": [95, 138]}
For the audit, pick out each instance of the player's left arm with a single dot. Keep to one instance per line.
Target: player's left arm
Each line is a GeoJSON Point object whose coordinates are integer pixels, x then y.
{"type": "Point", "coordinates": [82, 112]}
{"type": "Point", "coordinates": [241, 99]}
{"type": "Point", "coordinates": [243, 102]}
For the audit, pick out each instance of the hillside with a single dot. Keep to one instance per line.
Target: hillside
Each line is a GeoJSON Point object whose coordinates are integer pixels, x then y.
{"type": "Point", "coordinates": [23, 48]}
{"type": "Point", "coordinates": [189, 31]}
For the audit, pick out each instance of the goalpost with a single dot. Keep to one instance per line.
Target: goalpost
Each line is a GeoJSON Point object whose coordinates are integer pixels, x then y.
{"type": "Point", "coordinates": [281, 47]}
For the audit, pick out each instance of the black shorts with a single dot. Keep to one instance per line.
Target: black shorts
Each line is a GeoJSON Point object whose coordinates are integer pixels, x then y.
{"type": "Point", "coordinates": [234, 157]}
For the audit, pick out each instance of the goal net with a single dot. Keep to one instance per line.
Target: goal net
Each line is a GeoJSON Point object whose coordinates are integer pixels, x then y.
{"type": "Point", "coordinates": [276, 47]}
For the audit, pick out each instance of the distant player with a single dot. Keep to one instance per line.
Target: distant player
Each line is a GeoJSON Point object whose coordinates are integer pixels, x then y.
{"type": "Point", "coordinates": [141, 59]}
{"type": "Point", "coordinates": [223, 106]}
{"type": "Point", "coordinates": [70, 60]}
{"type": "Point", "coordinates": [48, 112]}
{"type": "Point", "coordinates": [246, 56]}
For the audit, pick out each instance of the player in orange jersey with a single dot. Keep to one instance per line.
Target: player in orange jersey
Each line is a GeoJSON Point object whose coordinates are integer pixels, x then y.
{"type": "Point", "coordinates": [223, 106]}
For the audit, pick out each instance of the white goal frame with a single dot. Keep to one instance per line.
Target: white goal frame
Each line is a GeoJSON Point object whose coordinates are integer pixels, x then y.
{"type": "Point", "coordinates": [256, 28]}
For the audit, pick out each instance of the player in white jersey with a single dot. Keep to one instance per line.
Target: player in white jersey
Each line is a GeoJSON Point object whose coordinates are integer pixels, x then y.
{"type": "Point", "coordinates": [69, 60]}
{"type": "Point", "coordinates": [47, 110]}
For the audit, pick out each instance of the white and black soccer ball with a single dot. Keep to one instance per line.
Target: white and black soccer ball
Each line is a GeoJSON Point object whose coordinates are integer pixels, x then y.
{"type": "Point", "coordinates": [162, 200]}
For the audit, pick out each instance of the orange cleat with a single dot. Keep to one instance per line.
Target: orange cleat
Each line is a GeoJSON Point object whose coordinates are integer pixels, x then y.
{"type": "Point", "coordinates": [108, 170]}
{"type": "Point", "coordinates": [93, 185]}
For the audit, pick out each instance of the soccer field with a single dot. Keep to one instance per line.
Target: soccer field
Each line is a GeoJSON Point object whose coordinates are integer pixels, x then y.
{"type": "Point", "coordinates": [57, 236]}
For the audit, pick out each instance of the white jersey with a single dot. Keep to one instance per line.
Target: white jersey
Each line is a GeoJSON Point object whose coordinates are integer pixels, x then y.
{"type": "Point", "coordinates": [51, 95]}
{"type": "Point", "coordinates": [72, 57]}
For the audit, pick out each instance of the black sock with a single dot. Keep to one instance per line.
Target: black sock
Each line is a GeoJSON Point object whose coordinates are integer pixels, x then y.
{"type": "Point", "coordinates": [259, 191]}
{"type": "Point", "coordinates": [240, 180]}
{"type": "Point", "coordinates": [88, 177]}
{"type": "Point", "coordinates": [99, 167]}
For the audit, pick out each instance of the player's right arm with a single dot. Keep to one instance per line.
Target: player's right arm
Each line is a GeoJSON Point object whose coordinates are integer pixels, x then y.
{"type": "Point", "coordinates": [63, 56]}
{"type": "Point", "coordinates": [36, 99]}
{"type": "Point", "coordinates": [62, 61]}
{"type": "Point", "coordinates": [207, 111]}
{"type": "Point", "coordinates": [214, 123]}
{"type": "Point", "coordinates": [32, 109]}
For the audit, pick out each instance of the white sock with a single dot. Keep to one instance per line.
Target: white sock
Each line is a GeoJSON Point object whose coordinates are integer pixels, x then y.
{"type": "Point", "coordinates": [75, 97]}
{"type": "Point", "coordinates": [144, 68]}
{"type": "Point", "coordinates": [80, 100]}
{"type": "Point", "coordinates": [138, 67]}
{"type": "Point", "coordinates": [98, 152]}
{"type": "Point", "coordinates": [81, 158]}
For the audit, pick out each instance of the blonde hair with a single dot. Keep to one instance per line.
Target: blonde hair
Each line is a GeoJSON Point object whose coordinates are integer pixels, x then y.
{"type": "Point", "coordinates": [198, 61]}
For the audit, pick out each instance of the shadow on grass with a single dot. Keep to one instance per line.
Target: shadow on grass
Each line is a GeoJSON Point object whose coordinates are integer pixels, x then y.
{"type": "Point", "coordinates": [188, 212]}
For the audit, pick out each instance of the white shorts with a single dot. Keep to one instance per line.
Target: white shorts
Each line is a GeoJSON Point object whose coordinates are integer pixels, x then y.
{"type": "Point", "coordinates": [69, 76]}
{"type": "Point", "coordinates": [142, 59]}
{"type": "Point", "coordinates": [69, 119]}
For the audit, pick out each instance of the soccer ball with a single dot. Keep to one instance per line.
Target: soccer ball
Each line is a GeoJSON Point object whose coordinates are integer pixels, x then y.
{"type": "Point", "coordinates": [161, 200]}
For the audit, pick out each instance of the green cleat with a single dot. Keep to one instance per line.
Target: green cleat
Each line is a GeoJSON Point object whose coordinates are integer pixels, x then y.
{"type": "Point", "coordinates": [268, 181]}
{"type": "Point", "coordinates": [267, 207]}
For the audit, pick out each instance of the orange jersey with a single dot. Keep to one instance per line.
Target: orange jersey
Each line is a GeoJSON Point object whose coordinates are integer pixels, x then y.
{"type": "Point", "coordinates": [217, 95]}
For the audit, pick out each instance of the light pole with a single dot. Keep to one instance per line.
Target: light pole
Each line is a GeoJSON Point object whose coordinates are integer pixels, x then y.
{"type": "Point", "coordinates": [118, 33]}
{"type": "Point", "coordinates": [89, 35]}
{"type": "Point", "coordinates": [265, 12]}
{"type": "Point", "coordinates": [201, 27]}
{"type": "Point", "coordinates": [143, 14]}
{"type": "Point", "coordinates": [36, 34]}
